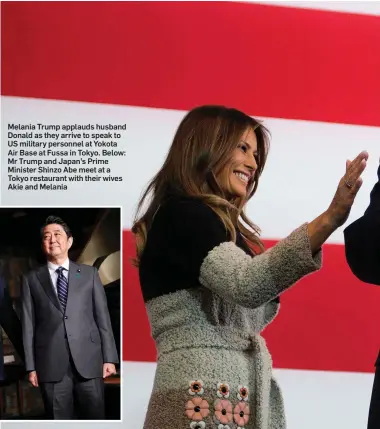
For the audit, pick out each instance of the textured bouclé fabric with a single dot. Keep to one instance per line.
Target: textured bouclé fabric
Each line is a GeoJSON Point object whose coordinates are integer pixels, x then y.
{"type": "Point", "coordinates": [213, 368]}
{"type": "Point", "coordinates": [252, 282]}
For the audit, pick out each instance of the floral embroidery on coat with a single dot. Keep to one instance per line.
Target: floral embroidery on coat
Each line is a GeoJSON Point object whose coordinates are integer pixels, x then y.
{"type": "Point", "coordinates": [197, 425]}
{"type": "Point", "coordinates": [243, 393]}
{"type": "Point", "coordinates": [223, 390]}
{"type": "Point", "coordinates": [196, 387]}
{"type": "Point", "coordinates": [223, 411]}
{"type": "Point", "coordinates": [197, 409]}
{"type": "Point", "coordinates": [241, 414]}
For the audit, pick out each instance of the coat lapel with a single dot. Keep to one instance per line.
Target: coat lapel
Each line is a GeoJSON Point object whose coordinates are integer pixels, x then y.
{"type": "Point", "coordinates": [45, 280]}
{"type": "Point", "coordinates": [74, 282]}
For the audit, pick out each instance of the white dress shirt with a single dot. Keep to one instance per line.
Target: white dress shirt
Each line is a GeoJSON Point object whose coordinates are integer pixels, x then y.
{"type": "Point", "coordinates": [54, 276]}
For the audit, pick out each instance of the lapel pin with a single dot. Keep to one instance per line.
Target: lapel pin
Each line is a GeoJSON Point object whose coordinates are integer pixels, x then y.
{"type": "Point", "coordinates": [77, 274]}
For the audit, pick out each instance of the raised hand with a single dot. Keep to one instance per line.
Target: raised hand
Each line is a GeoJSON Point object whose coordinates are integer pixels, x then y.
{"type": "Point", "coordinates": [348, 187]}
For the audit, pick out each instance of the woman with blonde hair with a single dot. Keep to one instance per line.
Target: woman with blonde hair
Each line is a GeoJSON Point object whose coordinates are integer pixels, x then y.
{"type": "Point", "coordinates": [209, 286]}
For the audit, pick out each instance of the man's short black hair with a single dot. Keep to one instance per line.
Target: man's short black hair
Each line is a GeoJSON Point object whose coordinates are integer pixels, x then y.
{"type": "Point", "coordinates": [56, 220]}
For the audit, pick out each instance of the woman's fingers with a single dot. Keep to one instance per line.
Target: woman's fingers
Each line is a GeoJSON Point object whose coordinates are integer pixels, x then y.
{"type": "Point", "coordinates": [354, 169]}
{"type": "Point", "coordinates": [357, 186]}
{"type": "Point", "coordinates": [362, 156]}
{"type": "Point", "coordinates": [357, 161]}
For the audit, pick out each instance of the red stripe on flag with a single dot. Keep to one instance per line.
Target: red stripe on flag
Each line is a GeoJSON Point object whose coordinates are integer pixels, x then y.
{"type": "Point", "coordinates": [138, 345]}
{"type": "Point", "coordinates": [267, 60]}
{"type": "Point", "coordinates": [328, 321]}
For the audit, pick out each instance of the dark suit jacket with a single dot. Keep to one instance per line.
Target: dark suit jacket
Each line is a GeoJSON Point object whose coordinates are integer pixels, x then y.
{"type": "Point", "coordinates": [11, 325]}
{"type": "Point", "coordinates": [85, 326]}
{"type": "Point", "coordinates": [362, 243]}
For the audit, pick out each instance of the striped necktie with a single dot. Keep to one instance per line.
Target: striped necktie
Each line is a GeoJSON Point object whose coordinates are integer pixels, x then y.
{"type": "Point", "coordinates": [62, 287]}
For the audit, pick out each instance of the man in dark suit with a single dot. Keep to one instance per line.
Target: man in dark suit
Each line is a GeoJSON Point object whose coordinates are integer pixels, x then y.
{"type": "Point", "coordinates": [362, 240]}
{"type": "Point", "coordinates": [11, 325]}
{"type": "Point", "coordinates": [68, 340]}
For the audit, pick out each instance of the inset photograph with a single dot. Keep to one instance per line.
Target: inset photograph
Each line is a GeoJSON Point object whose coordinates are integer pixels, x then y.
{"type": "Point", "coordinates": [60, 313]}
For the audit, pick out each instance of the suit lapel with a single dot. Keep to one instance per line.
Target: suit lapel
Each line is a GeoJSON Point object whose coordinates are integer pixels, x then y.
{"type": "Point", "coordinates": [74, 282]}
{"type": "Point", "coordinates": [45, 280]}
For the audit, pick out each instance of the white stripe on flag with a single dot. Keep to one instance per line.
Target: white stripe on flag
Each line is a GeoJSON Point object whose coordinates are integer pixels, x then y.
{"type": "Point", "coordinates": [306, 161]}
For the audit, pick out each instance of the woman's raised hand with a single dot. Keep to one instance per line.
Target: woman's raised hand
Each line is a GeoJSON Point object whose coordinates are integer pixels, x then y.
{"type": "Point", "coordinates": [348, 187]}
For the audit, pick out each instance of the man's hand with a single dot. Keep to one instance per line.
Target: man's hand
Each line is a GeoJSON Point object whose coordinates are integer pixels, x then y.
{"type": "Point", "coordinates": [108, 369]}
{"type": "Point", "coordinates": [33, 378]}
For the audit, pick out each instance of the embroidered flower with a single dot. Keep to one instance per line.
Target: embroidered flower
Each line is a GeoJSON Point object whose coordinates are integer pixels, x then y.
{"type": "Point", "coordinates": [196, 387]}
{"type": "Point", "coordinates": [223, 411]}
{"type": "Point", "coordinates": [243, 393]}
{"type": "Point", "coordinates": [241, 414]}
{"type": "Point", "coordinates": [197, 409]}
{"type": "Point", "coordinates": [223, 390]}
{"type": "Point", "coordinates": [197, 425]}
{"type": "Point", "coordinates": [223, 427]}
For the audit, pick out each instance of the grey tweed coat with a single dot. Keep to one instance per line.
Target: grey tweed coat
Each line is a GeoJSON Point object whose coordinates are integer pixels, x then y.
{"type": "Point", "coordinates": [208, 301]}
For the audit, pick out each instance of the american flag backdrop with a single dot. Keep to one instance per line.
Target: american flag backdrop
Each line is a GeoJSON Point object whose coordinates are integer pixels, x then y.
{"type": "Point", "coordinates": [310, 70]}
